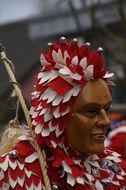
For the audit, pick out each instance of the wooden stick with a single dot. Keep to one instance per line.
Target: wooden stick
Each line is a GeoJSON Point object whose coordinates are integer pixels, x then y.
{"type": "Point", "coordinates": [41, 156]}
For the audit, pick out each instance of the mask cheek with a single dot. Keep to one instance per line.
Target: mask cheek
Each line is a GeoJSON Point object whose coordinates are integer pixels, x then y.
{"type": "Point", "coordinates": [82, 120]}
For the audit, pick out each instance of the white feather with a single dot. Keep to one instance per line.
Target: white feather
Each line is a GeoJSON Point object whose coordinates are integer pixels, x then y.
{"type": "Point", "coordinates": [28, 173]}
{"type": "Point", "coordinates": [51, 128]}
{"type": "Point", "coordinates": [45, 132]}
{"type": "Point", "coordinates": [98, 185]}
{"type": "Point", "coordinates": [48, 116]}
{"type": "Point", "coordinates": [68, 96]}
{"type": "Point", "coordinates": [83, 63]}
{"type": "Point", "coordinates": [58, 132]}
{"type": "Point", "coordinates": [43, 111]}
{"type": "Point", "coordinates": [57, 113]}
{"type": "Point", "coordinates": [21, 181]}
{"type": "Point", "coordinates": [74, 61]}
{"type": "Point", "coordinates": [31, 158]}
{"type": "Point", "coordinates": [70, 180]}
{"type": "Point", "coordinates": [20, 165]}
{"type": "Point", "coordinates": [57, 100]}
{"type": "Point", "coordinates": [66, 167]}
{"type": "Point", "coordinates": [12, 182]}
{"type": "Point", "coordinates": [38, 128]}
{"type": "Point", "coordinates": [80, 180]}
{"type": "Point", "coordinates": [13, 165]}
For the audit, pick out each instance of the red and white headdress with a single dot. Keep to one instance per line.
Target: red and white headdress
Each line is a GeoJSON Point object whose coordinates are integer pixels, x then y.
{"type": "Point", "coordinates": [66, 67]}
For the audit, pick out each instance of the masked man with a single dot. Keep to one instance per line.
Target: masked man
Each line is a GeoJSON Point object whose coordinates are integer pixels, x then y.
{"type": "Point", "coordinates": [70, 117]}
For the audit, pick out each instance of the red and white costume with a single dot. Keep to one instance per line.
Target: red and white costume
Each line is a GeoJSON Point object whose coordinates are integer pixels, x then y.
{"type": "Point", "coordinates": [67, 67]}
{"type": "Point", "coordinates": [116, 139]}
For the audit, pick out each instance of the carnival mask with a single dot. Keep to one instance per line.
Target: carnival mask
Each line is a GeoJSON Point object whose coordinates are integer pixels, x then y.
{"type": "Point", "coordinates": [89, 119]}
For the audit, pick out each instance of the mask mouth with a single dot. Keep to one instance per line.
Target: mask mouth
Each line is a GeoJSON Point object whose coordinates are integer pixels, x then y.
{"type": "Point", "coordinates": [99, 136]}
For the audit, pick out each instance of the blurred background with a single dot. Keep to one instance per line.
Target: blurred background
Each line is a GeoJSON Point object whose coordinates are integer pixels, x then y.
{"type": "Point", "coordinates": [27, 26]}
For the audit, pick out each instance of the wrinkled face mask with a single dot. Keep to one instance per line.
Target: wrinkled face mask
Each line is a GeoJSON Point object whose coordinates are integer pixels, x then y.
{"type": "Point", "coordinates": [89, 119]}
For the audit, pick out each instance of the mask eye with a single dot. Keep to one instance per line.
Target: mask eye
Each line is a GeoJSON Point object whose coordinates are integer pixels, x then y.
{"type": "Point", "coordinates": [90, 111]}
{"type": "Point", "coordinates": [108, 109]}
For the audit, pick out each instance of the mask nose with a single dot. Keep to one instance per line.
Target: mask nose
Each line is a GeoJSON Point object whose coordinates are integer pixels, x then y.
{"type": "Point", "coordinates": [104, 119]}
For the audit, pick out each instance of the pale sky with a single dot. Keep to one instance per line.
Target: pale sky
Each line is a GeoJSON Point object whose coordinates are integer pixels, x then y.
{"type": "Point", "coordinates": [15, 10]}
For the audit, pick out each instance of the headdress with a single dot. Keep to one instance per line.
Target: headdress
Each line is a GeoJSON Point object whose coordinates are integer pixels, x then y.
{"type": "Point", "coordinates": [66, 67]}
